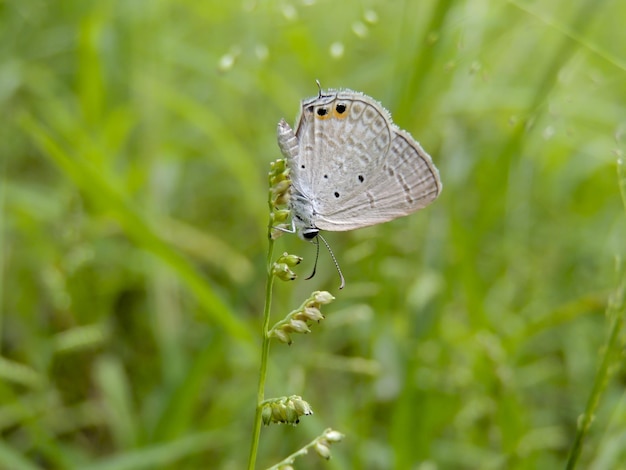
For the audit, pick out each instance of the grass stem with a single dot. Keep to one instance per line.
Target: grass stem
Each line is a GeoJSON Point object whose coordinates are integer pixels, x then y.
{"type": "Point", "coordinates": [265, 348]}
{"type": "Point", "coordinates": [615, 313]}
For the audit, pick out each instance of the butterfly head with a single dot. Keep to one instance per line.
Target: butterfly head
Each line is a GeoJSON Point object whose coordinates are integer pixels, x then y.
{"type": "Point", "coordinates": [308, 233]}
{"type": "Point", "coordinates": [304, 227]}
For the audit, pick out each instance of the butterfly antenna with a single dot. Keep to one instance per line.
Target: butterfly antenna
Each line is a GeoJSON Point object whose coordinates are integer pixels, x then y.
{"type": "Point", "coordinates": [317, 255]}
{"type": "Point", "coordinates": [319, 87]}
{"type": "Point", "coordinates": [332, 255]}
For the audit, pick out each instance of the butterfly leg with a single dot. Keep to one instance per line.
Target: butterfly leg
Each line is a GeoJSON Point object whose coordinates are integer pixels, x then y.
{"type": "Point", "coordinates": [282, 228]}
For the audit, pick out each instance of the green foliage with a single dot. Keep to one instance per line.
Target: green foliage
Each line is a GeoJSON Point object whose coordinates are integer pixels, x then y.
{"type": "Point", "coordinates": [133, 234]}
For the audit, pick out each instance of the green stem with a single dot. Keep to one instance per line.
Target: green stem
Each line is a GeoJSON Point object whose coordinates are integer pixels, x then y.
{"type": "Point", "coordinates": [615, 311]}
{"type": "Point", "coordinates": [600, 383]}
{"type": "Point", "coordinates": [303, 451]}
{"type": "Point", "coordinates": [256, 432]}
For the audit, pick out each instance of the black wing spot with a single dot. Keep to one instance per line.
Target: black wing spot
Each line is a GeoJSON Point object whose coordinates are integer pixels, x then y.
{"type": "Point", "coordinates": [322, 111]}
{"type": "Point", "coordinates": [325, 176]}
{"type": "Point", "coordinates": [336, 194]}
{"type": "Point", "coordinates": [310, 109]}
{"type": "Point", "coordinates": [302, 166]}
{"type": "Point", "coordinates": [341, 108]}
{"type": "Point", "coordinates": [361, 179]}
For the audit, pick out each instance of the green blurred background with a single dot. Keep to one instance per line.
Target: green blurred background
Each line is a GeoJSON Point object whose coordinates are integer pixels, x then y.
{"type": "Point", "coordinates": [135, 148]}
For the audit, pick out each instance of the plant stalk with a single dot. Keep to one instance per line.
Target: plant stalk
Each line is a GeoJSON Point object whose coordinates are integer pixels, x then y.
{"type": "Point", "coordinates": [615, 312]}
{"type": "Point", "coordinates": [256, 431]}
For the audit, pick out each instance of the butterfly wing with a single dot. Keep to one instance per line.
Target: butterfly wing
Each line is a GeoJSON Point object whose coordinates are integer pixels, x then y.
{"type": "Point", "coordinates": [356, 167]}
{"type": "Point", "coordinates": [326, 128]}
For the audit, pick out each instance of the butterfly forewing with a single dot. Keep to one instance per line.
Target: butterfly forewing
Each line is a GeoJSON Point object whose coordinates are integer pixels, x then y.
{"type": "Point", "coordinates": [341, 140]}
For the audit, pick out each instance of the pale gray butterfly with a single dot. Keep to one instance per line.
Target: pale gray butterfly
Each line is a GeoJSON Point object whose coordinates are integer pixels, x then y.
{"type": "Point", "coordinates": [351, 166]}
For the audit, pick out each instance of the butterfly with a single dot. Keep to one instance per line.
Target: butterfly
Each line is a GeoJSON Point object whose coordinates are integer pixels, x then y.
{"type": "Point", "coordinates": [351, 166]}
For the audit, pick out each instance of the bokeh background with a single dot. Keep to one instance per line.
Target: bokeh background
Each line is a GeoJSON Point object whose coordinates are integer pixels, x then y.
{"type": "Point", "coordinates": [136, 141]}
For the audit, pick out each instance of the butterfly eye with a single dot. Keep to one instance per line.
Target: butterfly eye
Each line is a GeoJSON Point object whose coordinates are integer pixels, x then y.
{"type": "Point", "coordinates": [310, 233]}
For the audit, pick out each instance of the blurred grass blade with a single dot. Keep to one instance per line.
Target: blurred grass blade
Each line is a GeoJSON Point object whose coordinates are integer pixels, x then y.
{"type": "Point", "coordinates": [608, 367]}
{"type": "Point", "coordinates": [15, 372]}
{"type": "Point", "coordinates": [93, 183]}
{"type": "Point", "coordinates": [117, 400]}
{"type": "Point", "coordinates": [159, 455]}
{"type": "Point", "coordinates": [547, 82]}
{"type": "Point", "coordinates": [573, 34]}
{"type": "Point", "coordinates": [231, 153]}
{"type": "Point", "coordinates": [611, 358]}
{"type": "Point", "coordinates": [10, 458]}
{"type": "Point", "coordinates": [621, 178]}
{"type": "Point", "coordinates": [80, 338]}
{"type": "Point", "coordinates": [180, 409]}
{"type": "Point", "coordinates": [2, 229]}
{"type": "Point", "coordinates": [208, 247]}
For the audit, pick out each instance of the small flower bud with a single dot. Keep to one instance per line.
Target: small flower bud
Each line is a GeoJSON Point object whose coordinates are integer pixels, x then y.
{"type": "Point", "coordinates": [301, 406]}
{"type": "Point", "coordinates": [292, 416]}
{"type": "Point", "coordinates": [289, 260]}
{"type": "Point", "coordinates": [298, 326]}
{"type": "Point", "coordinates": [322, 297]}
{"type": "Point", "coordinates": [266, 415]}
{"type": "Point", "coordinates": [278, 177]}
{"type": "Point", "coordinates": [322, 450]}
{"type": "Point", "coordinates": [333, 436]}
{"type": "Point", "coordinates": [278, 166]}
{"type": "Point", "coordinates": [279, 216]}
{"type": "Point", "coordinates": [281, 199]}
{"type": "Point", "coordinates": [281, 187]}
{"type": "Point", "coordinates": [281, 336]}
{"type": "Point", "coordinates": [311, 313]}
{"type": "Point", "coordinates": [282, 272]}
{"type": "Point", "coordinates": [279, 414]}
